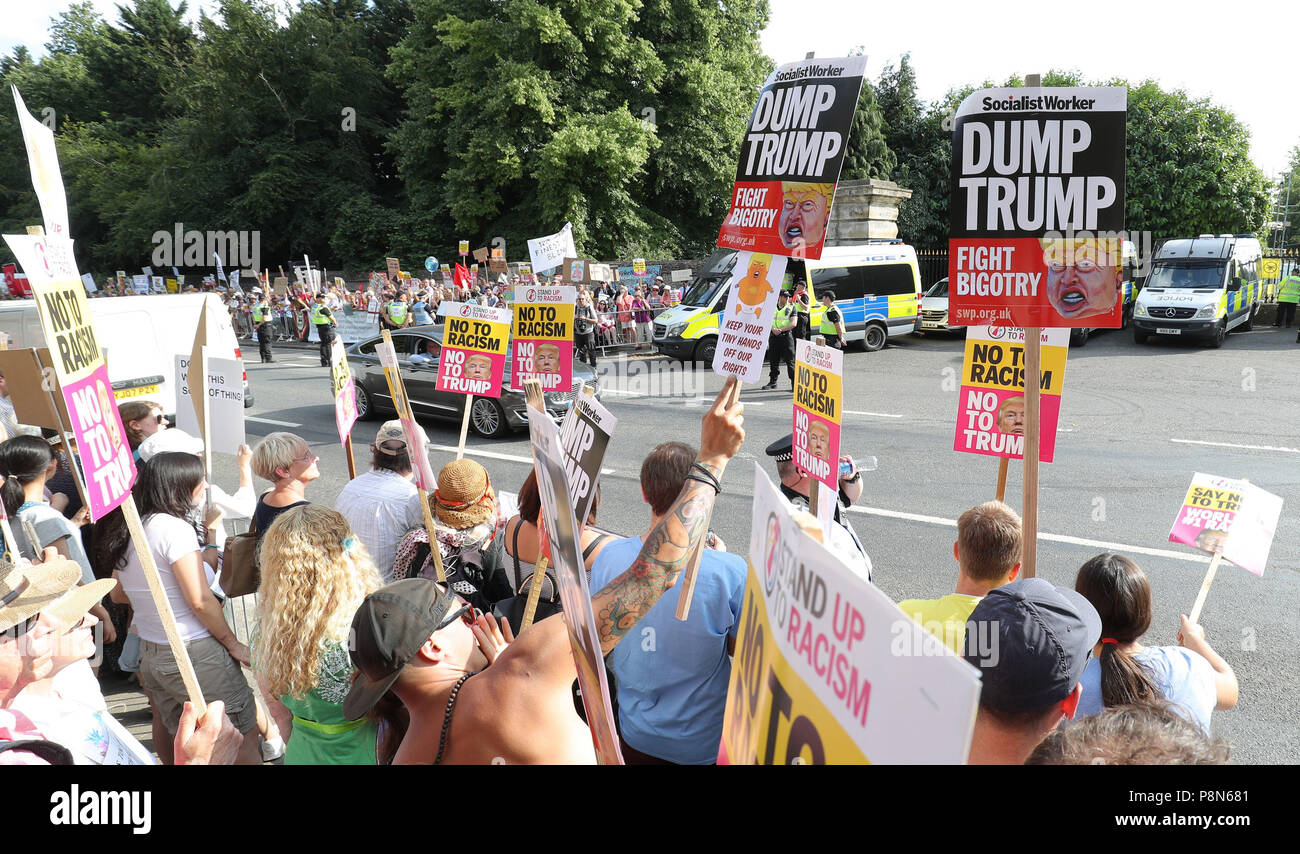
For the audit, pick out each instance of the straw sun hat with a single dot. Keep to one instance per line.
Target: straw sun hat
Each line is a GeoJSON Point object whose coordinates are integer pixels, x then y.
{"type": "Point", "coordinates": [28, 589]}
{"type": "Point", "coordinates": [464, 497]}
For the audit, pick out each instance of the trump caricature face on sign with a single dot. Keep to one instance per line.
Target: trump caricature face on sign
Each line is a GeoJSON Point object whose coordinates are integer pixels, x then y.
{"type": "Point", "coordinates": [1011, 416]}
{"type": "Point", "coordinates": [1083, 277]}
{"type": "Point", "coordinates": [546, 359]}
{"type": "Point", "coordinates": [805, 209]}
{"type": "Point", "coordinates": [478, 367]}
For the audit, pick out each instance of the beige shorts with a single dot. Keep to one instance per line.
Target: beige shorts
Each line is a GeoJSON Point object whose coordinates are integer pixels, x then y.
{"type": "Point", "coordinates": [220, 678]}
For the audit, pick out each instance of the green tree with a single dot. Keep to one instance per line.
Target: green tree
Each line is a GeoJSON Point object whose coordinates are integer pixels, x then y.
{"type": "Point", "coordinates": [867, 154]}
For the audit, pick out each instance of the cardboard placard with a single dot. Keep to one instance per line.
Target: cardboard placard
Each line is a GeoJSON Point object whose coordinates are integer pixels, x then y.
{"type": "Point", "coordinates": [576, 271]}
{"type": "Point", "coordinates": [394, 267]}
{"type": "Point", "coordinates": [463, 248]}
{"type": "Point", "coordinates": [1231, 515]}
{"type": "Point", "coordinates": [421, 470]}
{"type": "Point", "coordinates": [547, 253]}
{"type": "Point", "coordinates": [1037, 206]}
{"type": "Point", "coordinates": [480, 255]}
{"type": "Point", "coordinates": [747, 318]}
{"type": "Point", "coordinates": [79, 367]}
{"type": "Point", "coordinates": [828, 670]}
{"type": "Point", "coordinates": [584, 437]}
{"type": "Point", "coordinates": [790, 158]}
{"type": "Point", "coordinates": [498, 265]}
{"type": "Point", "coordinates": [542, 330]}
{"type": "Point", "coordinates": [225, 390]}
{"type": "Point", "coordinates": [564, 534]}
{"type": "Point", "coordinates": [991, 406]}
{"type": "Point", "coordinates": [474, 343]}
{"type": "Point", "coordinates": [818, 409]}
{"type": "Point", "coordinates": [345, 392]}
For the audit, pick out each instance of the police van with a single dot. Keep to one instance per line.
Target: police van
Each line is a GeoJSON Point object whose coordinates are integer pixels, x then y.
{"type": "Point", "coordinates": [1200, 287]}
{"type": "Point", "coordinates": [877, 289]}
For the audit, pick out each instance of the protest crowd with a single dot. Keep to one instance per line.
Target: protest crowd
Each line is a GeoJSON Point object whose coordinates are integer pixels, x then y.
{"type": "Point", "coordinates": [436, 672]}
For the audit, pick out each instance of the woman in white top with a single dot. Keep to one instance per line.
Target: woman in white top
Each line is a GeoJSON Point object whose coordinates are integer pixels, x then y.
{"type": "Point", "coordinates": [170, 487]}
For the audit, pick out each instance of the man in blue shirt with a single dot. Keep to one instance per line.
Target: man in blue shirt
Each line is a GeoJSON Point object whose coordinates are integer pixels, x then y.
{"type": "Point", "coordinates": [673, 675]}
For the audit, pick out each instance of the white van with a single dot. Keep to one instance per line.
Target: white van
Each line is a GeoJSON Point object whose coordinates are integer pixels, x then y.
{"type": "Point", "coordinates": [1202, 286]}
{"type": "Point", "coordinates": [141, 337]}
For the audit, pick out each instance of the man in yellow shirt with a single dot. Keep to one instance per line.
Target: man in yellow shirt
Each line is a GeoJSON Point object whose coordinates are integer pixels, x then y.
{"type": "Point", "coordinates": [988, 556]}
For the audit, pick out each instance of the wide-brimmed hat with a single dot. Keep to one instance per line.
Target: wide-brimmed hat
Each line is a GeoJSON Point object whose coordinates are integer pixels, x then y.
{"type": "Point", "coordinates": [74, 604]}
{"type": "Point", "coordinates": [28, 589]}
{"type": "Point", "coordinates": [464, 497]}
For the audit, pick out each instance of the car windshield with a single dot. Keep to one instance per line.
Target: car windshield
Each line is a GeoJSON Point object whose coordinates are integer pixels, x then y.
{"type": "Point", "coordinates": [711, 278]}
{"type": "Point", "coordinates": [938, 289]}
{"type": "Point", "coordinates": [1189, 274]}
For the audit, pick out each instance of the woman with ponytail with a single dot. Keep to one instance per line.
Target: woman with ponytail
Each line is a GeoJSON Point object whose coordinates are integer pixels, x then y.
{"type": "Point", "coordinates": [1122, 672]}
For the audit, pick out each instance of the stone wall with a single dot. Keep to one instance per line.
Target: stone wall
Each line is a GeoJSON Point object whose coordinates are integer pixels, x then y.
{"type": "Point", "coordinates": [865, 210]}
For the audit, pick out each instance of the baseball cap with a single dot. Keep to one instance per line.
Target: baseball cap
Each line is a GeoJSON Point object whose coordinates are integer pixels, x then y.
{"type": "Point", "coordinates": [388, 630]}
{"type": "Point", "coordinates": [392, 432]}
{"type": "Point", "coordinates": [1044, 636]}
{"type": "Point", "coordinates": [171, 441]}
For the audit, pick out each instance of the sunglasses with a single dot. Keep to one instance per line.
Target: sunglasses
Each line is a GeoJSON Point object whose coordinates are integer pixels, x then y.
{"type": "Point", "coordinates": [466, 612]}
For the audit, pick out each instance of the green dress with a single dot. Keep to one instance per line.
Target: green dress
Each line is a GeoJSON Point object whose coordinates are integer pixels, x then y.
{"type": "Point", "coordinates": [321, 735]}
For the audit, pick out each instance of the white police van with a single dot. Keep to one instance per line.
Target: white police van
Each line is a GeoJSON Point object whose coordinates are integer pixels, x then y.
{"type": "Point", "coordinates": [1202, 287]}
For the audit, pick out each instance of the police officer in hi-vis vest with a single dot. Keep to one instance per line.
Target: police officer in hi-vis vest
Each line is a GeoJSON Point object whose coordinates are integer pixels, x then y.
{"type": "Point", "coordinates": [1287, 297]}
{"type": "Point", "coordinates": [780, 343]}
{"type": "Point", "coordinates": [262, 324]}
{"type": "Point", "coordinates": [323, 319]}
{"type": "Point", "coordinates": [397, 314]}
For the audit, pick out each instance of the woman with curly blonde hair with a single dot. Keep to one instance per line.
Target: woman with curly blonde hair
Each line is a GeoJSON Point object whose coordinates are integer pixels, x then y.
{"type": "Point", "coordinates": [315, 574]}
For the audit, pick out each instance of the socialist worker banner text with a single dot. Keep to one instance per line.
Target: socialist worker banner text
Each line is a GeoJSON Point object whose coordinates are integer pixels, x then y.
{"type": "Point", "coordinates": [790, 158]}
{"type": "Point", "coordinates": [1037, 207]}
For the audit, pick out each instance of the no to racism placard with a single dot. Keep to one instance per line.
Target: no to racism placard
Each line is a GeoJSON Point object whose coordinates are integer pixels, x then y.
{"type": "Point", "coordinates": [543, 337]}
{"type": "Point", "coordinates": [991, 406]}
{"type": "Point", "coordinates": [584, 438]}
{"type": "Point", "coordinates": [474, 343]}
{"type": "Point", "coordinates": [1229, 514]}
{"type": "Point", "coordinates": [1037, 208]}
{"type": "Point", "coordinates": [345, 390]}
{"type": "Point", "coordinates": [818, 407]}
{"type": "Point", "coordinates": [747, 319]}
{"type": "Point", "coordinates": [80, 368]}
{"type": "Point", "coordinates": [547, 253]}
{"type": "Point", "coordinates": [790, 158]}
{"type": "Point", "coordinates": [828, 670]}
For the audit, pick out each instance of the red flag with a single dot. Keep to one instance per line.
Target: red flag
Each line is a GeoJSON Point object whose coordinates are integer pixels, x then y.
{"type": "Point", "coordinates": [461, 277]}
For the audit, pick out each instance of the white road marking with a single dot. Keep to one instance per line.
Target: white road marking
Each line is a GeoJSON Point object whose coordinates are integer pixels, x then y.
{"type": "Point", "coordinates": [1056, 538]}
{"type": "Point", "coordinates": [1230, 445]}
{"type": "Point", "coordinates": [270, 421]}
{"type": "Point", "coordinates": [877, 414]}
{"type": "Point", "coordinates": [621, 391]}
{"type": "Point", "coordinates": [493, 455]}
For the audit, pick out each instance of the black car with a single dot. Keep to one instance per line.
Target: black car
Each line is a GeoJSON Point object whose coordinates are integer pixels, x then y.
{"type": "Point", "coordinates": [417, 350]}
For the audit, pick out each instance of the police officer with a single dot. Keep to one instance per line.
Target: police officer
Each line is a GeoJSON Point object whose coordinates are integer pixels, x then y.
{"type": "Point", "coordinates": [262, 324]}
{"type": "Point", "coordinates": [802, 317]}
{"type": "Point", "coordinates": [780, 343]}
{"type": "Point", "coordinates": [323, 319]}
{"type": "Point", "coordinates": [396, 314]}
{"type": "Point", "coordinates": [795, 486]}
{"type": "Point", "coordinates": [832, 325]}
{"type": "Point", "coordinates": [1287, 297]}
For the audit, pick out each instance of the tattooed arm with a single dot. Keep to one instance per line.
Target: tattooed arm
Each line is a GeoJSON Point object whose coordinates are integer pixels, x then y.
{"type": "Point", "coordinates": [671, 543]}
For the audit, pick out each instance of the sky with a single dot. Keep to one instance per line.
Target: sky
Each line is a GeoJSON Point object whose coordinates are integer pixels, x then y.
{"type": "Point", "coordinates": [1223, 51]}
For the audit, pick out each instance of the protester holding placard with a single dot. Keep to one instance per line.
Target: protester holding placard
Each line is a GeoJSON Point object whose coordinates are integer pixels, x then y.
{"type": "Point", "coordinates": [413, 637]}
{"type": "Point", "coordinates": [670, 712]}
{"type": "Point", "coordinates": [796, 485]}
{"type": "Point", "coordinates": [169, 487]}
{"type": "Point", "coordinates": [1121, 672]}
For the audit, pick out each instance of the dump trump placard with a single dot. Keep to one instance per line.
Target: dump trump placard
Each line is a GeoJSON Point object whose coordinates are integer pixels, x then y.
{"type": "Point", "coordinates": [827, 669]}
{"type": "Point", "coordinates": [1234, 516]}
{"type": "Point", "coordinates": [991, 406]}
{"type": "Point", "coordinates": [584, 438]}
{"type": "Point", "coordinates": [543, 337]}
{"type": "Point", "coordinates": [818, 409]}
{"type": "Point", "coordinates": [474, 342]}
{"type": "Point", "coordinates": [1037, 207]}
{"type": "Point", "coordinates": [790, 158]}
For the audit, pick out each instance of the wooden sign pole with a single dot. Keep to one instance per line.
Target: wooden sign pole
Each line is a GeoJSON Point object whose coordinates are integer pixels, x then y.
{"type": "Point", "coordinates": [352, 466]}
{"type": "Point", "coordinates": [403, 407]}
{"type": "Point", "coordinates": [1205, 587]}
{"type": "Point", "coordinates": [688, 576]}
{"type": "Point", "coordinates": [464, 425]}
{"type": "Point", "coordinates": [1002, 478]}
{"type": "Point", "coordinates": [535, 398]}
{"type": "Point", "coordinates": [1033, 419]}
{"type": "Point", "coordinates": [145, 555]}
